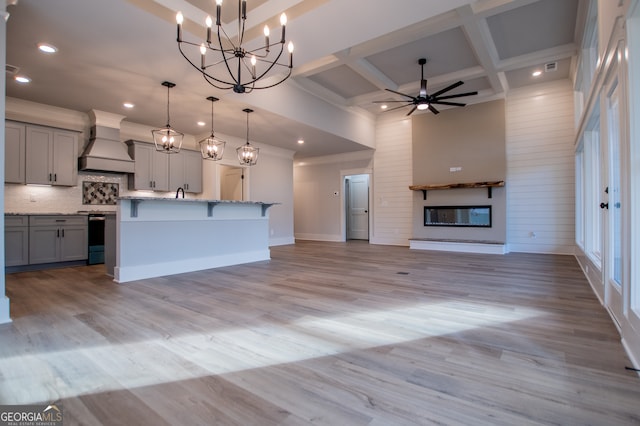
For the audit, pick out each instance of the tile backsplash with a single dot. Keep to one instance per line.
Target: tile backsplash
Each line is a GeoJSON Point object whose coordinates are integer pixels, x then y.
{"type": "Point", "coordinates": [62, 199]}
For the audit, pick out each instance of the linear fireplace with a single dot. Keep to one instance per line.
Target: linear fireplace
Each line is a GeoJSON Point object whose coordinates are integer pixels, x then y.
{"type": "Point", "coordinates": [463, 216]}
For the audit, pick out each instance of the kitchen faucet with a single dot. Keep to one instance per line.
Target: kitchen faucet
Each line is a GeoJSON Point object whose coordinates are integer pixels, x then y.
{"type": "Point", "coordinates": [178, 192]}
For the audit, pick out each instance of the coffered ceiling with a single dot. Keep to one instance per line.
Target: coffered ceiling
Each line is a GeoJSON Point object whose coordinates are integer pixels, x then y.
{"type": "Point", "coordinates": [346, 54]}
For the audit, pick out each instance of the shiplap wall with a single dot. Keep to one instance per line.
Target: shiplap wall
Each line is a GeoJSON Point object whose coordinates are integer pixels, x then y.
{"type": "Point", "coordinates": [392, 206]}
{"type": "Point", "coordinates": [540, 180]}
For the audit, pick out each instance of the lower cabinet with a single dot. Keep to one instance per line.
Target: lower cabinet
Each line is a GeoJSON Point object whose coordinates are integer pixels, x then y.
{"type": "Point", "coordinates": [16, 240]}
{"type": "Point", "coordinates": [57, 238]}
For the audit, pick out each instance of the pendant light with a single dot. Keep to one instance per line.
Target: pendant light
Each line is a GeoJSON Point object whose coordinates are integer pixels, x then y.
{"type": "Point", "coordinates": [212, 148]}
{"type": "Point", "coordinates": [247, 154]}
{"type": "Point", "coordinates": [167, 139]}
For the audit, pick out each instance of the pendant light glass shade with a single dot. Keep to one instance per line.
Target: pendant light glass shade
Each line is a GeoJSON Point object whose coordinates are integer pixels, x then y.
{"type": "Point", "coordinates": [247, 154]}
{"type": "Point", "coordinates": [212, 148]}
{"type": "Point", "coordinates": [167, 139]}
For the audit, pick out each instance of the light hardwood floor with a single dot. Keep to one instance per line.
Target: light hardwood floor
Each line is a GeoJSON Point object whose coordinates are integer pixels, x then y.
{"type": "Point", "coordinates": [324, 334]}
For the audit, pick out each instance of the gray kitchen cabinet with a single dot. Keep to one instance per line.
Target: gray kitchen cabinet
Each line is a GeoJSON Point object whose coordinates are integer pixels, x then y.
{"type": "Point", "coordinates": [185, 171]}
{"type": "Point", "coordinates": [58, 238]}
{"type": "Point", "coordinates": [16, 240]}
{"type": "Point", "coordinates": [14, 152]}
{"type": "Point", "coordinates": [151, 167]}
{"type": "Point", "coordinates": [51, 156]}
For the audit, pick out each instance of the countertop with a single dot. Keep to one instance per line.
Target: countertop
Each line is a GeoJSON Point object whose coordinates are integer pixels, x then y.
{"type": "Point", "coordinates": [79, 213]}
{"type": "Point", "coordinates": [194, 200]}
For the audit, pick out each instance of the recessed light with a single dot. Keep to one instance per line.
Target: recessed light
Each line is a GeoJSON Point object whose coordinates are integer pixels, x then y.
{"type": "Point", "coordinates": [22, 79]}
{"type": "Point", "coordinates": [536, 73]}
{"type": "Point", "coordinates": [383, 106]}
{"type": "Point", "coordinates": [201, 123]}
{"type": "Point", "coordinates": [300, 141]}
{"type": "Point", "coordinates": [128, 105]}
{"type": "Point", "coordinates": [47, 48]}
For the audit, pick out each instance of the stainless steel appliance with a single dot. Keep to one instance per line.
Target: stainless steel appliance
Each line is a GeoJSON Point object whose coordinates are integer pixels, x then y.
{"type": "Point", "coordinates": [96, 238]}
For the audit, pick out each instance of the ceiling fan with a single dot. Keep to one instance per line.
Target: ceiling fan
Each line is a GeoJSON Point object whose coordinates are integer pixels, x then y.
{"type": "Point", "coordinates": [426, 101]}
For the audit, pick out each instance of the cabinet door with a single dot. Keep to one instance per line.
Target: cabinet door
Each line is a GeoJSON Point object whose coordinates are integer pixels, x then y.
{"type": "Point", "coordinates": [14, 153]}
{"type": "Point", "coordinates": [142, 178]}
{"type": "Point", "coordinates": [44, 244]}
{"type": "Point", "coordinates": [64, 158]}
{"type": "Point", "coordinates": [39, 155]}
{"type": "Point", "coordinates": [160, 170]}
{"type": "Point", "coordinates": [74, 244]}
{"type": "Point", "coordinates": [193, 171]}
{"type": "Point", "coordinates": [16, 246]}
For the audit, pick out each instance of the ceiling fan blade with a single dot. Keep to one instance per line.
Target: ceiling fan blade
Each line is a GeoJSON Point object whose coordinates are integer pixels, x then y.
{"type": "Point", "coordinates": [398, 107]}
{"type": "Point", "coordinates": [459, 95]}
{"type": "Point", "coordinates": [423, 88]}
{"type": "Point", "coordinates": [433, 110]}
{"type": "Point", "coordinates": [388, 102]}
{"type": "Point", "coordinates": [447, 103]}
{"type": "Point", "coordinates": [398, 93]}
{"type": "Point", "coordinates": [412, 109]}
{"type": "Point", "coordinates": [446, 89]}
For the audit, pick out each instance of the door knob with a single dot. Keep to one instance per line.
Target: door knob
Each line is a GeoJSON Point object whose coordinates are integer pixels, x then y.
{"type": "Point", "coordinates": [604, 206]}
{"type": "Point", "coordinates": [366, 211]}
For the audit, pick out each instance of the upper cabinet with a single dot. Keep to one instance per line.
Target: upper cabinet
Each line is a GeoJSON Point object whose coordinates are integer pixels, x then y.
{"type": "Point", "coordinates": [40, 155]}
{"type": "Point", "coordinates": [157, 171]}
{"type": "Point", "coordinates": [151, 167]}
{"type": "Point", "coordinates": [14, 154]}
{"type": "Point", "coordinates": [185, 171]}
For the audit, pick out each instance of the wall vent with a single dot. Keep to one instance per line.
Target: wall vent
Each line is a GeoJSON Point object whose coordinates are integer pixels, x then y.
{"type": "Point", "coordinates": [11, 69]}
{"type": "Point", "coordinates": [550, 67]}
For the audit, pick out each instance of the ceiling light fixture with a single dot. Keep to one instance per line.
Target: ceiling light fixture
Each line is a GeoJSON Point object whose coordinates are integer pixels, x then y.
{"type": "Point", "coordinates": [212, 148]}
{"type": "Point", "coordinates": [300, 141]}
{"type": "Point", "coordinates": [167, 139]}
{"type": "Point", "coordinates": [247, 154]}
{"type": "Point", "coordinates": [22, 79]}
{"type": "Point", "coordinates": [128, 105]}
{"type": "Point", "coordinates": [249, 66]}
{"type": "Point", "coordinates": [536, 73]}
{"type": "Point", "coordinates": [47, 48]}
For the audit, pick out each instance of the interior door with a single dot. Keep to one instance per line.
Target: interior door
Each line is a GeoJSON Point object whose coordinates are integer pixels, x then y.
{"type": "Point", "coordinates": [231, 183]}
{"type": "Point", "coordinates": [357, 201]}
{"type": "Point", "coordinates": [612, 204]}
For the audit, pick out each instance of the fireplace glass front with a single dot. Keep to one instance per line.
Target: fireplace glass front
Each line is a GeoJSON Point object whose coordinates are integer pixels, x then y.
{"type": "Point", "coordinates": [467, 216]}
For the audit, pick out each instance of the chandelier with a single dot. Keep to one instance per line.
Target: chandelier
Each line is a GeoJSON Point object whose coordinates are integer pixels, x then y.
{"type": "Point", "coordinates": [233, 66]}
{"type": "Point", "coordinates": [167, 139]}
{"type": "Point", "coordinates": [247, 154]}
{"type": "Point", "coordinates": [212, 148]}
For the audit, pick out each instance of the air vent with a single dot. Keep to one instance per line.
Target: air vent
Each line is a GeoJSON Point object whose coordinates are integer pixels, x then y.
{"type": "Point", "coordinates": [11, 69]}
{"type": "Point", "coordinates": [550, 67]}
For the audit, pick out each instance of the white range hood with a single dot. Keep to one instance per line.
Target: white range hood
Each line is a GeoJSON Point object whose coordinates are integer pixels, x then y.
{"type": "Point", "coordinates": [105, 152]}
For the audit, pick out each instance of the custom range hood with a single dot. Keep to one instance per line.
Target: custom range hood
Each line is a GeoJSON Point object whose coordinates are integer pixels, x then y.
{"type": "Point", "coordinates": [105, 152]}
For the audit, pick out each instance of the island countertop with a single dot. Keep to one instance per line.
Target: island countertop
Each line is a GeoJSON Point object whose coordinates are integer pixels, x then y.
{"type": "Point", "coordinates": [194, 200]}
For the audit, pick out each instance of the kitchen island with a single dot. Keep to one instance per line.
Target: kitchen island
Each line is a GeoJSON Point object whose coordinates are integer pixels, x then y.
{"type": "Point", "coordinates": [163, 236]}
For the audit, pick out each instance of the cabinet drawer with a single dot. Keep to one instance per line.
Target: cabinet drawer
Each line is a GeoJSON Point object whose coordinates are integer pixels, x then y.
{"type": "Point", "coordinates": [13, 221]}
{"type": "Point", "coordinates": [58, 220]}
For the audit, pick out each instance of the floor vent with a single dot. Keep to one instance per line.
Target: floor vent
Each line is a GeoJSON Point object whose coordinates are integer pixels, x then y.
{"type": "Point", "coordinates": [11, 69]}
{"type": "Point", "coordinates": [402, 273]}
{"type": "Point", "coordinates": [550, 67]}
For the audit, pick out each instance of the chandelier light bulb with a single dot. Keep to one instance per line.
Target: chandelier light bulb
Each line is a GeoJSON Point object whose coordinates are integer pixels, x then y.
{"type": "Point", "coordinates": [209, 21]}
{"type": "Point", "coordinates": [219, 2]}
{"type": "Point", "coordinates": [266, 31]}
{"type": "Point", "coordinates": [283, 19]}
{"type": "Point", "coordinates": [179, 18]}
{"type": "Point", "coordinates": [290, 47]}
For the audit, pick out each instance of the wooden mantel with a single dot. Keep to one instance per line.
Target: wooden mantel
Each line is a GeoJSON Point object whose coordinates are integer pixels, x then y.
{"type": "Point", "coordinates": [488, 185]}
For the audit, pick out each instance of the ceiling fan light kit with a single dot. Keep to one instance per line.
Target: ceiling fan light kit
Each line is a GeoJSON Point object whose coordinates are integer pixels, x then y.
{"type": "Point", "coordinates": [424, 100]}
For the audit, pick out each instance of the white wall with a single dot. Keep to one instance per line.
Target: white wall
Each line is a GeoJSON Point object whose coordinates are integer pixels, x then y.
{"type": "Point", "coordinates": [318, 192]}
{"type": "Point", "coordinates": [540, 169]}
{"type": "Point", "coordinates": [392, 176]}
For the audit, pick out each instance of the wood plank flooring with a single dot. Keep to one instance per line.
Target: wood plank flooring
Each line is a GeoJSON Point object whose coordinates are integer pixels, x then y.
{"type": "Point", "coordinates": [323, 334]}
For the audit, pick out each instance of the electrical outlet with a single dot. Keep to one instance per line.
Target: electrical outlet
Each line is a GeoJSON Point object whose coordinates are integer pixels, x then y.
{"type": "Point", "coordinates": [455, 169]}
